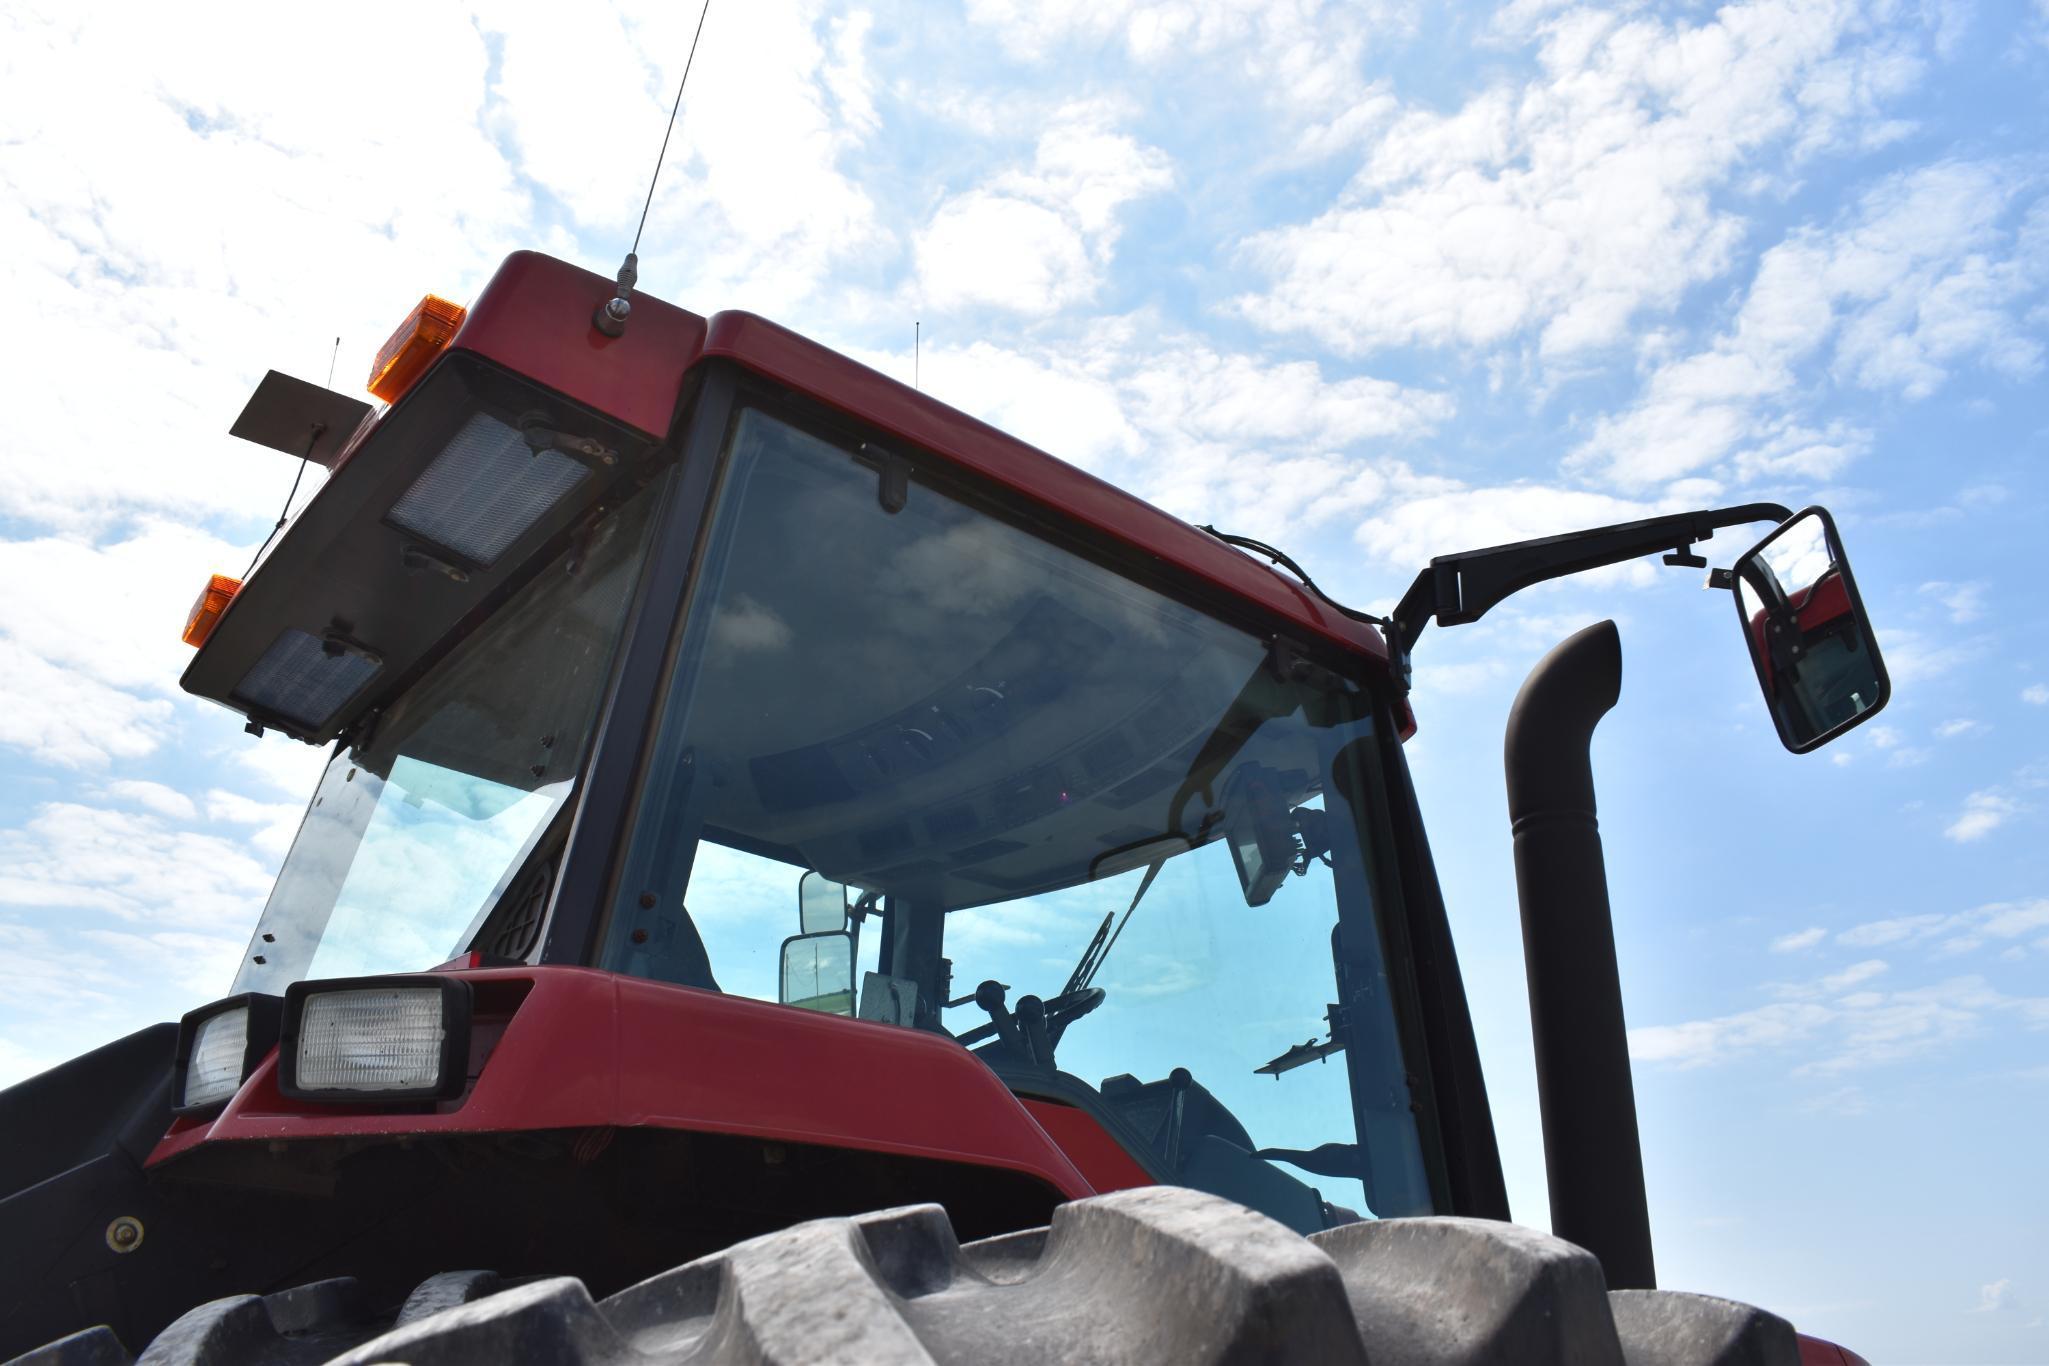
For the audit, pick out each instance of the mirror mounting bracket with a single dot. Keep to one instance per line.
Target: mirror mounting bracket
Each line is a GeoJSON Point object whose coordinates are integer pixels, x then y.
{"type": "Point", "coordinates": [1721, 578]}
{"type": "Point", "coordinates": [1460, 588]}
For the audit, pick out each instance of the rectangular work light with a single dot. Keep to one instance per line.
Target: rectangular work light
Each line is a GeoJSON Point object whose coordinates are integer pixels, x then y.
{"type": "Point", "coordinates": [485, 489]}
{"type": "Point", "coordinates": [375, 1038]}
{"type": "Point", "coordinates": [306, 678]}
{"type": "Point", "coordinates": [219, 1046]}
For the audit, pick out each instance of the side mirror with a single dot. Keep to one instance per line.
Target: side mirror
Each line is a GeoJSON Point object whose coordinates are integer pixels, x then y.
{"type": "Point", "coordinates": [1260, 832]}
{"type": "Point", "coordinates": [821, 904]}
{"type": "Point", "coordinates": [1816, 656]}
{"type": "Point", "coordinates": [818, 972]}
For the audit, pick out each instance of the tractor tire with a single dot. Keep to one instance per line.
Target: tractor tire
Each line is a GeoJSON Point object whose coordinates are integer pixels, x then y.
{"type": "Point", "coordinates": [1158, 1274]}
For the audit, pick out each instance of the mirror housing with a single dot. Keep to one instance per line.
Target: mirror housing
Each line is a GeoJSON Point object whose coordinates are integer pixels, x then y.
{"type": "Point", "coordinates": [1260, 832]}
{"type": "Point", "coordinates": [1804, 623]}
{"type": "Point", "coordinates": [821, 904]}
{"type": "Point", "coordinates": [818, 972]}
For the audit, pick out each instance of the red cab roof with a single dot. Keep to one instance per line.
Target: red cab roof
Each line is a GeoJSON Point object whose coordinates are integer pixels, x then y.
{"type": "Point", "coordinates": [534, 317]}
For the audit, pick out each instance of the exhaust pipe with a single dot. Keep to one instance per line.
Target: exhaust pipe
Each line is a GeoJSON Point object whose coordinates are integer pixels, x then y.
{"type": "Point", "coordinates": [1592, 1157]}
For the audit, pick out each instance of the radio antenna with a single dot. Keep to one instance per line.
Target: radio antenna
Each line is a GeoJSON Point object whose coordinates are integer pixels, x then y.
{"type": "Point", "coordinates": [611, 316]}
{"type": "Point", "coordinates": [284, 513]}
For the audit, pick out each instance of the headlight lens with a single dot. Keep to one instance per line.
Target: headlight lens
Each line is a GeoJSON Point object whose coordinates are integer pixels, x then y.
{"type": "Point", "coordinates": [218, 1050]}
{"type": "Point", "coordinates": [219, 1046]}
{"type": "Point", "coordinates": [378, 1039]}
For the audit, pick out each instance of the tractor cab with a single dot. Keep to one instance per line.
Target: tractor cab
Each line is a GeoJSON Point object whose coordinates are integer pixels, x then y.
{"type": "Point", "coordinates": [874, 735]}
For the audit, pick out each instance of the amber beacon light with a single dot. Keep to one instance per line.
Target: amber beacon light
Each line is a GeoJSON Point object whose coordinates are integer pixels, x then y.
{"type": "Point", "coordinates": [206, 611]}
{"type": "Point", "coordinates": [411, 349]}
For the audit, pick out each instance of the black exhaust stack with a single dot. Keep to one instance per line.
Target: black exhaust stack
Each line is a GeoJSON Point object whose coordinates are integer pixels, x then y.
{"type": "Point", "coordinates": [1592, 1156]}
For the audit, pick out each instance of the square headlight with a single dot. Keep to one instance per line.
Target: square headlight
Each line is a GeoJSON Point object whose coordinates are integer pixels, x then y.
{"type": "Point", "coordinates": [375, 1039]}
{"type": "Point", "coordinates": [219, 1046]}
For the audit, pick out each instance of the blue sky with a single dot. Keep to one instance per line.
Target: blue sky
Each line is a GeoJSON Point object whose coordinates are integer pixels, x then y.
{"type": "Point", "coordinates": [1371, 281]}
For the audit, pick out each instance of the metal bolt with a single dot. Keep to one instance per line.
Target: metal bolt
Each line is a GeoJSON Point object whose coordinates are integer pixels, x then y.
{"type": "Point", "coordinates": [647, 901]}
{"type": "Point", "coordinates": [617, 309]}
{"type": "Point", "coordinates": [125, 1233]}
{"type": "Point", "coordinates": [639, 936]}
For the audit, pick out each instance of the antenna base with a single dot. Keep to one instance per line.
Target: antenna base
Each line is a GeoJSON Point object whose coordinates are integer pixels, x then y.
{"type": "Point", "coordinates": [611, 315]}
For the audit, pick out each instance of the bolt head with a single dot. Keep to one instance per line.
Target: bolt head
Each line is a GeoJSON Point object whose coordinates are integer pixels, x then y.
{"type": "Point", "coordinates": [618, 308]}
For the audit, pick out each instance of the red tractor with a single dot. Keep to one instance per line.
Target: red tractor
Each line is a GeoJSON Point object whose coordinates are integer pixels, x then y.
{"type": "Point", "coordinates": [761, 796]}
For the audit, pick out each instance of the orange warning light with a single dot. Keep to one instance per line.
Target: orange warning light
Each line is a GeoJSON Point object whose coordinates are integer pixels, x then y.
{"type": "Point", "coordinates": [213, 600]}
{"type": "Point", "coordinates": [412, 348]}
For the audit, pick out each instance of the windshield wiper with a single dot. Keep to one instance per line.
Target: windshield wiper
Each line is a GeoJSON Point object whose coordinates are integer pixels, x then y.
{"type": "Point", "coordinates": [1098, 950]}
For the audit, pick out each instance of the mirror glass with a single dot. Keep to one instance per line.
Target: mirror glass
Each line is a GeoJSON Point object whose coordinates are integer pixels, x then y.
{"type": "Point", "coordinates": [818, 972]}
{"type": "Point", "coordinates": [821, 904]}
{"type": "Point", "coordinates": [1817, 659]}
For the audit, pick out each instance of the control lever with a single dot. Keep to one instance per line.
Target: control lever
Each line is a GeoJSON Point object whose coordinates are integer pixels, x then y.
{"type": "Point", "coordinates": [990, 997]}
{"type": "Point", "coordinates": [1167, 1137]}
{"type": "Point", "coordinates": [1031, 1017]}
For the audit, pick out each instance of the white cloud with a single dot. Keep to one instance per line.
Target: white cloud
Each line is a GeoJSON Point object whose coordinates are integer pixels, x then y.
{"type": "Point", "coordinates": [1303, 58]}
{"type": "Point", "coordinates": [131, 866]}
{"type": "Point", "coordinates": [1925, 275]}
{"type": "Point", "coordinates": [164, 801]}
{"type": "Point", "coordinates": [1856, 1030]}
{"type": "Point", "coordinates": [1206, 433]}
{"type": "Point", "coordinates": [1573, 202]}
{"type": "Point", "coordinates": [2036, 694]}
{"type": "Point", "coordinates": [1964, 601]}
{"type": "Point", "coordinates": [1892, 931]}
{"type": "Point", "coordinates": [1700, 1042]}
{"type": "Point", "coordinates": [1914, 657]}
{"type": "Point", "coordinates": [276, 823]}
{"type": "Point", "coordinates": [1798, 940]}
{"type": "Point", "coordinates": [756, 210]}
{"type": "Point", "coordinates": [72, 991]}
{"type": "Point", "coordinates": [2001, 921]}
{"type": "Point", "coordinates": [1841, 1101]}
{"type": "Point", "coordinates": [1961, 726]}
{"type": "Point", "coordinates": [151, 324]}
{"type": "Point", "coordinates": [1037, 240]}
{"type": "Point", "coordinates": [1427, 517]}
{"type": "Point", "coordinates": [1993, 1297]}
{"type": "Point", "coordinates": [61, 716]}
{"type": "Point", "coordinates": [1852, 975]}
{"type": "Point", "coordinates": [1983, 813]}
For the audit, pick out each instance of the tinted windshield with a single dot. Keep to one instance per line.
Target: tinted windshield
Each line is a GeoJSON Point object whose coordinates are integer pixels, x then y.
{"type": "Point", "coordinates": [412, 837]}
{"type": "Point", "coordinates": [997, 744]}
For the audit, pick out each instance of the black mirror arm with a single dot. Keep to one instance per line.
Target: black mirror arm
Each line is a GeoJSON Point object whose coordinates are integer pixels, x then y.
{"type": "Point", "coordinates": [1460, 588]}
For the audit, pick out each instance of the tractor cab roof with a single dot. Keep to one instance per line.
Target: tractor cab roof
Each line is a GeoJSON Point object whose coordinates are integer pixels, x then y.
{"type": "Point", "coordinates": [439, 504]}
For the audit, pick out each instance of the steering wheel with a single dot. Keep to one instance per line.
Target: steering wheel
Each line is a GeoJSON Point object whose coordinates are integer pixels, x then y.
{"type": "Point", "coordinates": [1033, 1019]}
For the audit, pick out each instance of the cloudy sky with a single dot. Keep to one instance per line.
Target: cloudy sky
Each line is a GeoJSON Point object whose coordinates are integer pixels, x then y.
{"type": "Point", "coordinates": [1372, 280]}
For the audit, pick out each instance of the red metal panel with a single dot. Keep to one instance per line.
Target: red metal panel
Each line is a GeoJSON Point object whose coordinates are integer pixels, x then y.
{"type": "Point", "coordinates": [1102, 1159]}
{"type": "Point", "coordinates": [1817, 1352]}
{"type": "Point", "coordinates": [593, 1048]}
{"type": "Point", "coordinates": [782, 355]}
{"type": "Point", "coordinates": [534, 317]}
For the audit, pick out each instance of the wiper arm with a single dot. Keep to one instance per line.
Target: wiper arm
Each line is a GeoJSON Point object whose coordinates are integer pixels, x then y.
{"type": "Point", "coordinates": [1086, 971]}
{"type": "Point", "coordinates": [1086, 967]}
